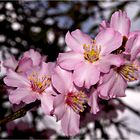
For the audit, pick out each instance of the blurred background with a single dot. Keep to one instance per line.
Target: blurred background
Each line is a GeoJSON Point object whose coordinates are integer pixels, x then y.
{"type": "Point", "coordinates": [42, 25]}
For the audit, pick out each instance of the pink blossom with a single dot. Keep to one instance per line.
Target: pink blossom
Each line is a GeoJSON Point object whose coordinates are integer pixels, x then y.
{"type": "Point", "coordinates": [119, 76]}
{"type": "Point", "coordinates": [68, 103]}
{"type": "Point", "coordinates": [121, 23]}
{"type": "Point", "coordinates": [114, 83]}
{"type": "Point", "coordinates": [129, 50]}
{"type": "Point", "coordinates": [88, 57]}
{"type": "Point", "coordinates": [32, 85]}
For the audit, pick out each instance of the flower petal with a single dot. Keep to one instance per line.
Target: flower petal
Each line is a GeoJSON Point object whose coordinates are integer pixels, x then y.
{"type": "Point", "coordinates": [118, 92]}
{"type": "Point", "coordinates": [22, 94]}
{"type": "Point", "coordinates": [134, 33]}
{"type": "Point", "coordinates": [109, 40]}
{"type": "Point", "coordinates": [46, 102]}
{"type": "Point", "coordinates": [86, 74]}
{"type": "Point", "coordinates": [10, 63]}
{"type": "Point", "coordinates": [69, 60]}
{"type": "Point", "coordinates": [133, 46]}
{"type": "Point", "coordinates": [107, 83]}
{"type": "Point", "coordinates": [70, 122]}
{"type": "Point", "coordinates": [110, 60]}
{"type": "Point", "coordinates": [103, 25]}
{"type": "Point", "coordinates": [113, 86]}
{"type": "Point", "coordinates": [73, 43]}
{"type": "Point", "coordinates": [81, 37]}
{"type": "Point", "coordinates": [121, 23]}
{"type": "Point", "coordinates": [46, 68]}
{"type": "Point", "coordinates": [93, 101]}
{"type": "Point", "coordinates": [34, 55]}
{"type": "Point", "coordinates": [24, 65]}
{"type": "Point", "coordinates": [62, 80]}
{"type": "Point", "coordinates": [59, 106]}
{"type": "Point", "coordinates": [14, 79]}
{"type": "Point", "coordinates": [76, 40]}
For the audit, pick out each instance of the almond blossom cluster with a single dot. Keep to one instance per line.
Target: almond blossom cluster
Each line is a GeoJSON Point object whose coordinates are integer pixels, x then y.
{"type": "Point", "coordinates": [99, 67]}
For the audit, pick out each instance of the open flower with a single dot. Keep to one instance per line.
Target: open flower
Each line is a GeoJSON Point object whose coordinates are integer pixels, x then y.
{"type": "Point", "coordinates": [129, 50]}
{"type": "Point", "coordinates": [32, 85]}
{"type": "Point", "coordinates": [69, 103]}
{"type": "Point", "coordinates": [114, 83]}
{"type": "Point", "coordinates": [88, 57]}
{"type": "Point", "coordinates": [121, 23]}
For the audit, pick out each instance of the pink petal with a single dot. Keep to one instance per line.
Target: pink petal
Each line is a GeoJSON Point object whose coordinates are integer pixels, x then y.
{"type": "Point", "coordinates": [93, 101]}
{"type": "Point", "coordinates": [46, 68]}
{"type": "Point", "coordinates": [86, 74]}
{"type": "Point", "coordinates": [81, 37]}
{"type": "Point", "coordinates": [118, 92]}
{"type": "Point", "coordinates": [107, 84]}
{"type": "Point", "coordinates": [110, 60]}
{"type": "Point", "coordinates": [113, 85]}
{"type": "Point", "coordinates": [24, 64]}
{"type": "Point", "coordinates": [103, 25]}
{"type": "Point", "coordinates": [46, 102]}
{"type": "Point", "coordinates": [14, 79]}
{"type": "Point", "coordinates": [134, 33]}
{"type": "Point", "coordinates": [73, 43]}
{"type": "Point", "coordinates": [59, 106]}
{"type": "Point", "coordinates": [109, 40]}
{"type": "Point", "coordinates": [76, 40]}
{"type": "Point", "coordinates": [22, 94]}
{"type": "Point", "coordinates": [120, 22]}
{"type": "Point", "coordinates": [133, 46]}
{"type": "Point", "coordinates": [10, 63]}
{"type": "Point", "coordinates": [69, 60]}
{"type": "Point", "coordinates": [62, 80]}
{"type": "Point", "coordinates": [34, 55]}
{"type": "Point", "coordinates": [70, 122]}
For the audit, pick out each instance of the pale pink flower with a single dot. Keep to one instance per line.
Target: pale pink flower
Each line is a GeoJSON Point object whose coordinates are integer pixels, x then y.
{"type": "Point", "coordinates": [114, 83]}
{"type": "Point", "coordinates": [88, 57]}
{"type": "Point", "coordinates": [32, 85]}
{"type": "Point", "coordinates": [121, 23]}
{"type": "Point", "coordinates": [69, 103]}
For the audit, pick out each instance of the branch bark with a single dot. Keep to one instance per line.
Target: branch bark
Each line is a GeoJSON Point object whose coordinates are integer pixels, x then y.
{"type": "Point", "coordinates": [20, 113]}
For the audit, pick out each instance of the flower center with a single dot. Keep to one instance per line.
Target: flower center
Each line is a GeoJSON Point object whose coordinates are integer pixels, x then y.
{"type": "Point", "coordinates": [129, 72]}
{"type": "Point", "coordinates": [39, 83]}
{"type": "Point", "coordinates": [76, 101]}
{"type": "Point", "coordinates": [91, 52]}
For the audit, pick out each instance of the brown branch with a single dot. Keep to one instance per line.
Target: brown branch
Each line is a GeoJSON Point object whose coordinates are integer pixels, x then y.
{"type": "Point", "coordinates": [20, 113]}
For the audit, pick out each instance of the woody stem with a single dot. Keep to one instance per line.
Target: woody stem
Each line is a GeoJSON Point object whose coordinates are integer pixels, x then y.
{"type": "Point", "coordinates": [19, 113]}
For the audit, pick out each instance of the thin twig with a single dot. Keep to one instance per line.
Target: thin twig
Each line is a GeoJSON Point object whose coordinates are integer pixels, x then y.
{"type": "Point", "coordinates": [20, 113]}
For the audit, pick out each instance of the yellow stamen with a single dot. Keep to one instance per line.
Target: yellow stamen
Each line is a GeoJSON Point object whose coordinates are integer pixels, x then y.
{"type": "Point", "coordinates": [129, 72]}
{"type": "Point", "coordinates": [91, 53]}
{"type": "Point", "coordinates": [39, 83]}
{"type": "Point", "coordinates": [76, 101]}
